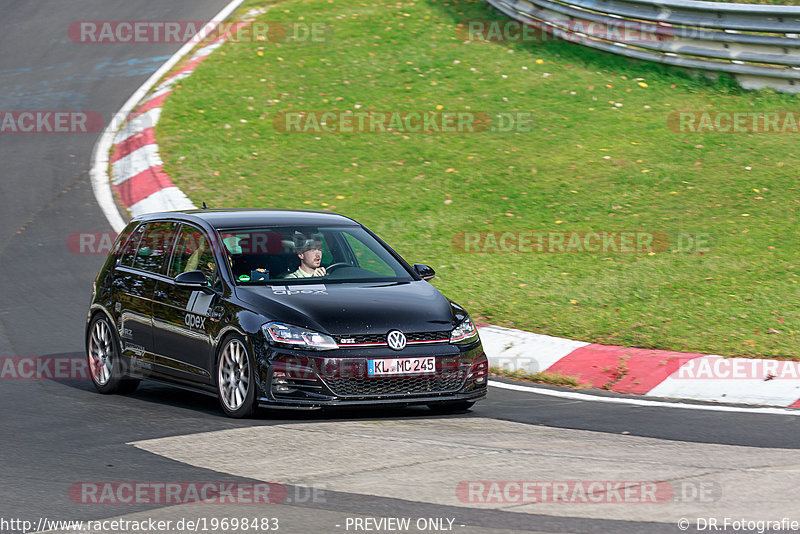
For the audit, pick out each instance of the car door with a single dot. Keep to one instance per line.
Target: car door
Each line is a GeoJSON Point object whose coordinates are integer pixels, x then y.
{"type": "Point", "coordinates": [135, 276]}
{"type": "Point", "coordinates": [184, 319]}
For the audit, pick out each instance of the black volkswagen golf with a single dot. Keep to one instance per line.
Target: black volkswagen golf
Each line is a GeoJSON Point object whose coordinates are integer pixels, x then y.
{"type": "Point", "coordinates": [296, 309]}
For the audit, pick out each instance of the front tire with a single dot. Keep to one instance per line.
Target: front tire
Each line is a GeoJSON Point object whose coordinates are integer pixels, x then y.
{"type": "Point", "coordinates": [105, 362]}
{"type": "Point", "coordinates": [236, 384]}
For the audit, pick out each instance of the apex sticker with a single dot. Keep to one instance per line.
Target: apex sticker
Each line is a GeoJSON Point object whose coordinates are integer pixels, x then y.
{"type": "Point", "coordinates": [311, 289]}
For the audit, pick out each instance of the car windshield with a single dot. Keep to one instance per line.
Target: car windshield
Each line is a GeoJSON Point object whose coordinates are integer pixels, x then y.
{"type": "Point", "coordinates": [305, 254]}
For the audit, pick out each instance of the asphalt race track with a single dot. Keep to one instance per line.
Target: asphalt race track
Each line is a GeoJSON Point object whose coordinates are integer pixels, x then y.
{"type": "Point", "coordinates": [335, 467]}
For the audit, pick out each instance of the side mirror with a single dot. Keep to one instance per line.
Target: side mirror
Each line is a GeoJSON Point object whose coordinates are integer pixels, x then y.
{"type": "Point", "coordinates": [425, 272]}
{"type": "Point", "coordinates": [193, 280]}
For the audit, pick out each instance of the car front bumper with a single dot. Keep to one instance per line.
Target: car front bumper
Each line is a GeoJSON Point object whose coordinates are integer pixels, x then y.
{"type": "Point", "coordinates": [292, 404]}
{"type": "Point", "coordinates": [303, 380]}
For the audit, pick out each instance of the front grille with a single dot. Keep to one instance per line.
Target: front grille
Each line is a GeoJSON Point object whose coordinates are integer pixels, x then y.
{"type": "Point", "coordinates": [371, 387]}
{"type": "Point", "coordinates": [428, 336]}
{"type": "Point", "coordinates": [360, 339]}
{"type": "Point", "coordinates": [412, 337]}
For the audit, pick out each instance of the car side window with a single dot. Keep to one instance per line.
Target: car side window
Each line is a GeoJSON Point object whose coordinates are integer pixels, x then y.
{"type": "Point", "coordinates": [193, 252]}
{"type": "Point", "coordinates": [367, 259]}
{"type": "Point", "coordinates": [128, 252]}
{"type": "Point", "coordinates": [155, 246]}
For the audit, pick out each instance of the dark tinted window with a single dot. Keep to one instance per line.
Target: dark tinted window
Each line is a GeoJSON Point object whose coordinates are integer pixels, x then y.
{"type": "Point", "coordinates": [121, 240]}
{"type": "Point", "coordinates": [128, 253]}
{"type": "Point", "coordinates": [193, 252]}
{"type": "Point", "coordinates": [155, 246]}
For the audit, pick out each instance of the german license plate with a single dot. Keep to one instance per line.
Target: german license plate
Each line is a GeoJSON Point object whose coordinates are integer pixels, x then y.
{"type": "Point", "coordinates": [401, 366]}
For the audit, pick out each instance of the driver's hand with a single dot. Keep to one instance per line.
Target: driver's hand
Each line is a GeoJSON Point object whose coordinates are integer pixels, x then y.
{"type": "Point", "coordinates": [320, 271]}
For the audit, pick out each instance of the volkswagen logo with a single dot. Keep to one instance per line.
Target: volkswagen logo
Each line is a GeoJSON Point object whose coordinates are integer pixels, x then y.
{"type": "Point", "coordinates": [396, 340]}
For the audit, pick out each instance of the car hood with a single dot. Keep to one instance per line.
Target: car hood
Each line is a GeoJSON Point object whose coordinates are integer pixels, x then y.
{"type": "Point", "coordinates": [350, 308]}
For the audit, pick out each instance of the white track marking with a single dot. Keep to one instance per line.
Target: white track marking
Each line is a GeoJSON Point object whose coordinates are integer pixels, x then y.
{"type": "Point", "coordinates": [99, 173]}
{"type": "Point", "coordinates": [637, 402]}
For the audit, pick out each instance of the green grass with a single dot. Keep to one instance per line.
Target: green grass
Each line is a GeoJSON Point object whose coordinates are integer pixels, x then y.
{"type": "Point", "coordinates": [739, 297]}
{"type": "Point", "coordinates": [556, 379]}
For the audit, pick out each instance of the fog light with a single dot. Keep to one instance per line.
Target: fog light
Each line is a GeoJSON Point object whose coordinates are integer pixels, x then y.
{"type": "Point", "coordinates": [280, 386]}
{"type": "Point", "coordinates": [479, 372]}
{"type": "Point", "coordinates": [279, 382]}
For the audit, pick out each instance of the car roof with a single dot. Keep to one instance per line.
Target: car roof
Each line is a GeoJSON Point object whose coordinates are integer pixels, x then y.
{"type": "Point", "coordinates": [249, 218]}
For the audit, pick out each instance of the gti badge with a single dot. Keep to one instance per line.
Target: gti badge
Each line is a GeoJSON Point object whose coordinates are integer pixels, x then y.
{"type": "Point", "coordinates": [396, 340]}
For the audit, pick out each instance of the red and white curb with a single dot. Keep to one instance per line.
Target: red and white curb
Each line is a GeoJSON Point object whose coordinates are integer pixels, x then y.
{"type": "Point", "coordinates": [138, 179]}
{"type": "Point", "coordinates": [127, 132]}
{"type": "Point", "coordinates": [137, 175]}
{"type": "Point", "coordinates": [649, 372]}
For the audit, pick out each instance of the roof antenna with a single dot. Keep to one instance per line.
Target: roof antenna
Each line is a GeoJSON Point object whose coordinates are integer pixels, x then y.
{"type": "Point", "coordinates": [204, 205]}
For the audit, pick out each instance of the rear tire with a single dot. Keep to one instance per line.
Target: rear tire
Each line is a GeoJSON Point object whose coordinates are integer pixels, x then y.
{"type": "Point", "coordinates": [105, 363]}
{"type": "Point", "coordinates": [452, 407]}
{"type": "Point", "coordinates": [236, 383]}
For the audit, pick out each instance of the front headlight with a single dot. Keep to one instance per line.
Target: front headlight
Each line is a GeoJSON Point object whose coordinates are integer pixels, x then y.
{"type": "Point", "coordinates": [300, 338]}
{"type": "Point", "coordinates": [465, 332]}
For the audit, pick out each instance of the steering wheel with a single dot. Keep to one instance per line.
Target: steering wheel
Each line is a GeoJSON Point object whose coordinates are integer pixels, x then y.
{"type": "Point", "coordinates": [334, 266]}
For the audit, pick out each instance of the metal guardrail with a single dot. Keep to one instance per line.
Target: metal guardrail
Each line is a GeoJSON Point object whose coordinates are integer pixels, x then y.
{"type": "Point", "coordinates": [757, 44]}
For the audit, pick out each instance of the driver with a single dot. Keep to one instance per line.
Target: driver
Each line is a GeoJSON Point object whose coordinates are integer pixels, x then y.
{"type": "Point", "coordinates": [310, 253]}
